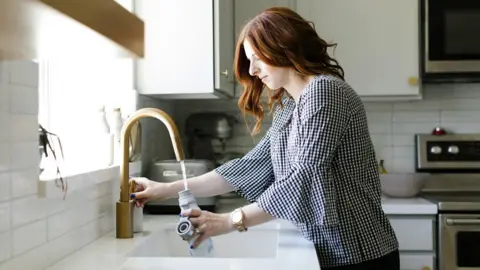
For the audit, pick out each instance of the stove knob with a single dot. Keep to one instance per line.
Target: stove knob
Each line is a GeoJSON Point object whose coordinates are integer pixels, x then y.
{"type": "Point", "coordinates": [436, 150]}
{"type": "Point", "coordinates": [453, 149]}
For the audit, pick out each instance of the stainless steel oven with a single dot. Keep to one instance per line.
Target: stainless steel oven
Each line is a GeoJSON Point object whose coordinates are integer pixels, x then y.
{"type": "Point", "coordinates": [455, 158]}
{"type": "Point", "coordinates": [450, 34]}
{"type": "Point", "coordinates": [459, 241]}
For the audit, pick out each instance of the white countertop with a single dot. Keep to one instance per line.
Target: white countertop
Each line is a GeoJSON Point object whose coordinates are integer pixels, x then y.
{"type": "Point", "coordinates": [109, 253]}
{"type": "Point", "coordinates": [410, 206]}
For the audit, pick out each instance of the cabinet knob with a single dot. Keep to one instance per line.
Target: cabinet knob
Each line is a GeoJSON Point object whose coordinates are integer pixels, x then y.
{"type": "Point", "coordinates": [225, 73]}
{"type": "Point", "coordinates": [413, 81]}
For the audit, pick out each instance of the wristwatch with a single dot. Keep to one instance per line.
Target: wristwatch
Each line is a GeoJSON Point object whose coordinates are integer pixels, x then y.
{"type": "Point", "coordinates": [237, 217]}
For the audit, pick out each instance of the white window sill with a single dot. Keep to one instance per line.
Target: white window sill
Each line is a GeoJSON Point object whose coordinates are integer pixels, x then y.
{"type": "Point", "coordinates": [47, 185]}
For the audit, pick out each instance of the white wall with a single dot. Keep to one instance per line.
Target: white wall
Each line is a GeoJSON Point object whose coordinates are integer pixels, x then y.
{"type": "Point", "coordinates": [392, 124]}
{"type": "Point", "coordinates": [36, 231]}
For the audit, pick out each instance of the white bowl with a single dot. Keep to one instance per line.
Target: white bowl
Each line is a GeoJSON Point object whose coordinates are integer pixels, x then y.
{"type": "Point", "coordinates": [402, 185]}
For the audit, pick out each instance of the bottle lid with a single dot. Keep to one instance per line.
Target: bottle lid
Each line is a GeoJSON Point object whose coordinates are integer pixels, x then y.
{"type": "Point", "coordinates": [185, 197]}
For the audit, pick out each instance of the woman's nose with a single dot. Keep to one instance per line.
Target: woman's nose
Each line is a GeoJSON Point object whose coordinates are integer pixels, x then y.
{"type": "Point", "coordinates": [252, 70]}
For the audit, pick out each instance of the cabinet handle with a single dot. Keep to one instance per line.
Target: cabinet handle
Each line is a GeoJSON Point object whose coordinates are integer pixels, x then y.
{"type": "Point", "coordinates": [225, 73]}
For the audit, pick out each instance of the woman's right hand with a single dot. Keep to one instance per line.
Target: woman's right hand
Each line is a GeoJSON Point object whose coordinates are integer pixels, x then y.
{"type": "Point", "coordinates": [146, 190]}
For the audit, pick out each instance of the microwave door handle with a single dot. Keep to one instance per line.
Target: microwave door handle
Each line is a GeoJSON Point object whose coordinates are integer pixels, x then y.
{"type": "Point", "coordinates": [461, 222]}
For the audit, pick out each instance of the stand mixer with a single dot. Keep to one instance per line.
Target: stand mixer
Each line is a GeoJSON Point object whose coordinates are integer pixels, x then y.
{"type": "Point", "coordinates": [202, 128]}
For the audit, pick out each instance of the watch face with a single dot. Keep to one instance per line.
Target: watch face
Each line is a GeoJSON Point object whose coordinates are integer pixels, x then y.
{"type": "Point", "coordinates": [237, 216]}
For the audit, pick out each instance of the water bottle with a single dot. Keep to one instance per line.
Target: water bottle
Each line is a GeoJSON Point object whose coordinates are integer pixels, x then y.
{"type": "Point", "coordinates": [186, 230]}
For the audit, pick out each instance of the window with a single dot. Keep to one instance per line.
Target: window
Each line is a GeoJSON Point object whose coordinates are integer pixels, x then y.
{"type": "Point", "coordinates": [72, 94]}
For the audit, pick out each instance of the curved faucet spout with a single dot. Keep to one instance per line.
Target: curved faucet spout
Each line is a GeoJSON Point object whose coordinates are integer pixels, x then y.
{"type": "Point", "coordinates": [125, 204]}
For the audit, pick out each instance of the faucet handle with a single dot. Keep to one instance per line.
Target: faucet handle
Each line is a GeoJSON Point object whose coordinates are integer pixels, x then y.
{"type": "Point", "coordinates": [132, 187]}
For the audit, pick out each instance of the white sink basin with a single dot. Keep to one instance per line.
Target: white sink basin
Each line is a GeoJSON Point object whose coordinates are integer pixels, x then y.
{"type": "Point", "coordinates": [275, 245]}
{"type": "Point", "coordinates": [258, 242]}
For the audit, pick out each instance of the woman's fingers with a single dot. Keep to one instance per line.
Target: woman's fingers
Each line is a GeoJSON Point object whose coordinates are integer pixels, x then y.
{"type": "Point", "coordinates": [140, 202]}
{"type": "Point", "coordinates": [203, 235]}
{"type": "Point", "coordinates": [191, 213]}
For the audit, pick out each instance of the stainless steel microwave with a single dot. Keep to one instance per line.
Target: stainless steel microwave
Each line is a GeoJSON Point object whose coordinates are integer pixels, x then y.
{"type": "Point", "coordinates": [450, 38]}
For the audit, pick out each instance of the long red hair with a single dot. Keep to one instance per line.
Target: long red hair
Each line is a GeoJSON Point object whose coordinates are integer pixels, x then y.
{"type": "Point", "coordinates": [282, 38]}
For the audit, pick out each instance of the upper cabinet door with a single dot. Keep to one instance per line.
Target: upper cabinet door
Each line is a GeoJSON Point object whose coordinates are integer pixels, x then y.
{"type": "Point", "coordinates": [224, 46]}
{"type": "Point", "coordinates": [378, 43]}
{"type": "Point", "coordinates": [187, 47]}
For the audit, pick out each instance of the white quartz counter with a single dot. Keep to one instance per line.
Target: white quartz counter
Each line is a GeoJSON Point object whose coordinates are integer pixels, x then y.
{"type": "Point", "coordinates": [109, 253]}
{"type": "Point", "coordinates": [410, 206]}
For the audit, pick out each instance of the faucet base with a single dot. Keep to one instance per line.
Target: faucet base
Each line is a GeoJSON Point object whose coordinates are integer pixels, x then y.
{"type": "Point", "coordinates": [124, 224]}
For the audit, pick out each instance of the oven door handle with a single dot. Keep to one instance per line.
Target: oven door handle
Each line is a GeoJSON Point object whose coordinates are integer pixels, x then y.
{"type": "Point", "coordinates": [453, 221]}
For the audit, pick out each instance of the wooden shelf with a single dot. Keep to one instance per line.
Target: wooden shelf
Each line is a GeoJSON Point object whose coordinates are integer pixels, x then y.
{"type": "Point", "coordinates": [40, 29]}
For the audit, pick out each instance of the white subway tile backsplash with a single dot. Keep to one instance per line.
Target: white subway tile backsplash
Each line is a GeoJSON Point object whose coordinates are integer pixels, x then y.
{"type": "Point", "coordinates": [411, 128]}
{"type": "Point", "coordinates": [5, 125]}
{"type": "Point", "coordinates": [424, 105]}
{"type": "Point", "coordinates": [5, 246]}
{"type": "Point", "coordinates": [379, 116]}
{"type": "Point", "coordinates": [24, 155]}
{"type": "Point", "coordinates": [466, 90]}
{"type": "Point", "coordinates": [4, 156]}
{"type": "Point", "coordinates": [36, 258]}
{"type": "Point", "coordinates": [24, 216]}
{"type": "Point", "coordinates": [404, 152]}
{"type": "Point", "coordinates": [447, 116]}
{"type": "Point", "coordinates": [460, 104]}
{"type": "Point", "coordinates": [403, 165]}
{"type": "Point", "coordinates": [57, 204]}
{"type": "Point", "coordinates": [4, 98]}
{"type": "Point", "coordinates": [25, 182]}
{"type": "Point", "coordinates": [73, 218]}
{"type": "Point", "coordinates": [392, 125]}
{"type": "Point", "coordinates": [380, 127]}
{"type": "Point", "coordinates": [29, 236]}
{"type": "Point", "coordinates": [382, 139]}
{"type": "Point", "coordinates": [5, 184]}
{"type": "Point", "coordinates": [28, 209]}
{"type": "Point", "coordinates": [403, 140]}
{"type": "Point", "coordinates": [24, 128]}
{"type": "Point", "coordinates": [5, 214]}
{"type": "Point", "coordinates": [23, 100]}
{"type": "Point", "coordinates": [24, 73]}
{"type": "Point", "coordinates": [4, 73]}
{"type": "Point", "coordinates": [462, 127]}
{"type": "Point", "coordinates": [375, 107]}
{"type": "Point", "coordinates": [384, 152]}
{"type": "Point", "coordinates": [438, 91]}
{"type": "Point", "coordinates": [419, 116]}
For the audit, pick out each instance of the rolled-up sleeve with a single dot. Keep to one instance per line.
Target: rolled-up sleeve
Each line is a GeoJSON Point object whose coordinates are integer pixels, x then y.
{"type": "Point", "coordinates": [252, 174]}
{"type": "Point", "coordinates": [306, 194]}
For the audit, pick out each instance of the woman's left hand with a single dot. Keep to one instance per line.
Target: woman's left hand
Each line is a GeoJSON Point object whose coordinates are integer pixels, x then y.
{"type": "Point", "coordinates": [208, 224]}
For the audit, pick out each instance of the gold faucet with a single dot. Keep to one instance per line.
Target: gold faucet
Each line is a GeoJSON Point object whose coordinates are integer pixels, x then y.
{"type": "Point", "coordinates": [125, 206]}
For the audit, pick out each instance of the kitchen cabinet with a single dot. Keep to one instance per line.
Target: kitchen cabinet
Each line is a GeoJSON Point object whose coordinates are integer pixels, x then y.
{"type": "Point", "coordinates": [416, 238]}
{"type": "Point", "coordinates": [41, 29]}
{"type": "Point", "coordinates": [378, 44]}
{"type": "Point", "coordinates": [189, 49]}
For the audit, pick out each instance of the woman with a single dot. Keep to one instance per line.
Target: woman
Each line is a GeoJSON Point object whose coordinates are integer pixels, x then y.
{"type": "Point", "coordinates": [315, 166]}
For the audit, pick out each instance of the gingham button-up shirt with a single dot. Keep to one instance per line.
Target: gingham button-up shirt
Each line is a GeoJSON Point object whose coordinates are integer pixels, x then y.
{"type": "Point", "coordinates": [316, 166]}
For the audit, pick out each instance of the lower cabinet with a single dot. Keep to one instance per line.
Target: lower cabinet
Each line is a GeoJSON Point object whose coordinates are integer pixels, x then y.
{"type": "Point", "coordinates": [416, 237]}
{"type": "Point", "coordinates": [412, 261]}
